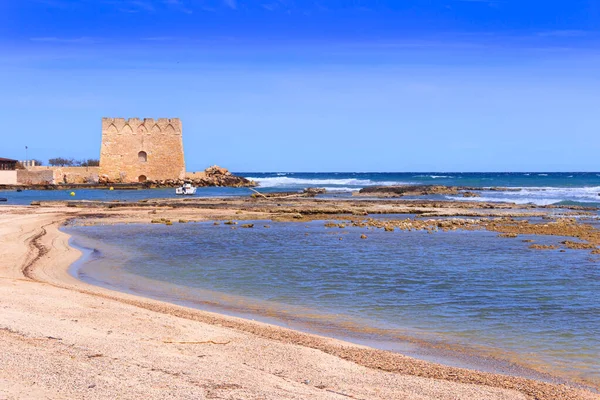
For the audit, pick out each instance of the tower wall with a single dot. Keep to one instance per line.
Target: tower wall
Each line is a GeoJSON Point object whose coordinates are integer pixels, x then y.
{"type": "Point", "coordinates": [123, 139]}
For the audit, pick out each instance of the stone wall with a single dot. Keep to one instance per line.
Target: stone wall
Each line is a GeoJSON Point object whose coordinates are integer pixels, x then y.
{"type": "Point", "coordinates": [8, 177]}
{"type": "Point", "coordinates": [57, 175]}
{"type": "Point", "coordinates": [136, 150]}
{"type": "Point", "coordinates": [35, 177]}
{"type": "Point", "coordinates": [76, 174]}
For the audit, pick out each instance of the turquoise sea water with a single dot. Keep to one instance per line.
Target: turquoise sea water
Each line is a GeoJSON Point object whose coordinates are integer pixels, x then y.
{"type": "Point", "coordinates": [472, 290]}
{"type": "Point", "coordinates": [536, 187]}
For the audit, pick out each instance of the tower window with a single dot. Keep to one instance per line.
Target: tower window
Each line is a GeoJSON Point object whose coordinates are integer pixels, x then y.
{"type": "Point", "coordinates": [142, 156]}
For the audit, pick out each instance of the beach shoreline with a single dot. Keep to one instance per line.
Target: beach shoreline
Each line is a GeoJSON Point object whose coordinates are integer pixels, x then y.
{"type": "Point", "coordinates": [96, 269]}
{"type": "Point", "coordinates": [38, 262]}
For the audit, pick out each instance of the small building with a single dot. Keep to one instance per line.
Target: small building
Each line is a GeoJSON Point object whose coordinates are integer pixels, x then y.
{"type": "Point", "coordinates": [28, 163]}
{"type": "Point", "coordinates": [8, 171]}
{"type": "Point", "coordinates": [7, 164]}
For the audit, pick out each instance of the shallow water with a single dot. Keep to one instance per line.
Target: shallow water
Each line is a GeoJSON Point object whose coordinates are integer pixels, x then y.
{"type": "Point", "coordinates": [472, 290]}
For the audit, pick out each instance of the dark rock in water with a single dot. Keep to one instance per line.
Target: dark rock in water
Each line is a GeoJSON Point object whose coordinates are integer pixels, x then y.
{"type": "Point", "coordinates": [3, 199]}
{"type": "Point", "coordinates": [425, 190]}
{"type": "Point", "coordinates": [247, 226]}
{"type": "Point", "coordinates": [408, 190]}
{"type": "Point", "coordinates": [20, 190]}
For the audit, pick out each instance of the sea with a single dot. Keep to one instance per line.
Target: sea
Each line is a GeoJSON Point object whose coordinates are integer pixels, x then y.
{"type": "Point", "coordinates": [462, 298]}
{"type": "Point", "coordinates": [541, 188]}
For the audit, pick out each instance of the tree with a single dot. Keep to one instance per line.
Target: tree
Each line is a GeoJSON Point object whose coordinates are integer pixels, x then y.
{"type": "Point", "coordinates": [90, 162]}
{"type": "Point", "coordinates": [61, 162]}
{"type": "Point", "coordinates": [37, 162]}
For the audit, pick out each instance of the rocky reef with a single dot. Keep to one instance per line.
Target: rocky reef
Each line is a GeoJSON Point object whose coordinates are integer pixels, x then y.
{"type": "Point", "coordinates": [307, 192]}
{"type": "Point", "coordinates": [407, 190]}
{"type": "Point", "coordinates": [425, 190]}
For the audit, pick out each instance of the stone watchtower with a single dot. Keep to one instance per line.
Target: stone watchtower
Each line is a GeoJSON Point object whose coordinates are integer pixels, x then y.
{"type": "Point", "coordinates": [136, 150]}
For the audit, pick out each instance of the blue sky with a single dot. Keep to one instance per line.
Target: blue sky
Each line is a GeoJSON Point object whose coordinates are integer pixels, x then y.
{"type": "Point", "coordinates": [298, 85]}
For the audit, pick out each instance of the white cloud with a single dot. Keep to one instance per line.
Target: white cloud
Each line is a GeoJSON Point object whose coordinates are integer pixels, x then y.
{"type": "Point", "coordinates": [563, 33]}
{"type": "Point", "coordinates": [179, 5]}
{"type": "Point", "coordinates": [230, 3]}
{"type": "Point", "coordinates": [53, 39]}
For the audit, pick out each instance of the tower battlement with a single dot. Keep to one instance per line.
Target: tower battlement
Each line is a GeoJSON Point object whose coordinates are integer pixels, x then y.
{"type": "Point", "coordinates": [135, 150]}
{"type": "Point", "coordinates": [138, 125]}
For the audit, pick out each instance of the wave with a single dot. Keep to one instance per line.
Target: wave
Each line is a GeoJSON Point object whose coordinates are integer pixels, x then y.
{"type": "Point", "coordinates": [285, 181]}
{"type": "Point", "coordinates": [540, 195]}
{"type": "Point", "coordinates": [538, 202]}
{"type": "Point", "coordinates": [433, 176]}
{"type": "Point", "coordinates": [340, 189]}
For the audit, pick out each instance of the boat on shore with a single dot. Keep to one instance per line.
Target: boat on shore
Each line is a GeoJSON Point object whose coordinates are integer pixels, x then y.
{"type": "Point", "coordinates": [186, 189]}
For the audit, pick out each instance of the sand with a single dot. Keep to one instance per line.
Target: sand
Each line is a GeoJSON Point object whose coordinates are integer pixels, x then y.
{"type": "Point", "coordinates": [62, 338]}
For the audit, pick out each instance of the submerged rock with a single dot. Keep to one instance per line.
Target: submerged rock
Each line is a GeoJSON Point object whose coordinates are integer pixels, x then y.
{"type": "Point", "coordinates": [543, 247]}
{"type": "Point", "coordinates": [578, 245]}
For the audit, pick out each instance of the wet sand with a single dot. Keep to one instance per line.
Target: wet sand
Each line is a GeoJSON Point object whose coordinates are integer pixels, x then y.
{"type": "Point", "coordinates": [62, 338]}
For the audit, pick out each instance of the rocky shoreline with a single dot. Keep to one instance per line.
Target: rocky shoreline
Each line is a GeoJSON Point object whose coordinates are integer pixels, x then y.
{"type": "Point", "coordinates": [508, 220]}
{"type": "Point", "coordinates": [427, 190]}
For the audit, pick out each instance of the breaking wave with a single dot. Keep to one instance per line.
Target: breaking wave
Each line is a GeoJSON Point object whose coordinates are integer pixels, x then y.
{"type": "Point", "coordinates": [540, 195]}
{"type": "Point", "coordinates": [434, 176]}
{"type": "Point", "coordinates": [337, 184]}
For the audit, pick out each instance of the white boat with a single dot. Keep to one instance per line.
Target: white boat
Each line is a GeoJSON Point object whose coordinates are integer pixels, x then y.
{"type": "Point", "coordinates": [187, 188]}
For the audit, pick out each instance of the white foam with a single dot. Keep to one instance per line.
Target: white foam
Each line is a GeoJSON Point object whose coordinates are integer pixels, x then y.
{"type": "Point", "coordinates": [540, 195]}
{"type": "Point", "coordinates": [341, 189]}
{"type": "Point", "coordinates": [433, 176]}
{"type": "Point", "coordinates": [285, 181]}
{"type": "Point", "coordinates": [539, 202]}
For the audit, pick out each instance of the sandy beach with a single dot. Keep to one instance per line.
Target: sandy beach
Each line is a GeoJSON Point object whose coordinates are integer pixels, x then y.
{"type": "Point", "coordinates": [62, 338]}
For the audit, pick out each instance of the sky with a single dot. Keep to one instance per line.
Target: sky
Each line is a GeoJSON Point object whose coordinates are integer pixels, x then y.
{"type": "Point", "coordinates": [310, 85]}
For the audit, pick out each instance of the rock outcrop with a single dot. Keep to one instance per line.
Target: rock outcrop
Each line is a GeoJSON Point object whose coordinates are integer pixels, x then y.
{"type": "Point", "coordinates": [307, 192]}
{"type": "Point", "coordinates": [218, 176]}
{"type": "Point", "coordinates": [426, 190]}
{"type": "Point", "coordinates": [407, 190]}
